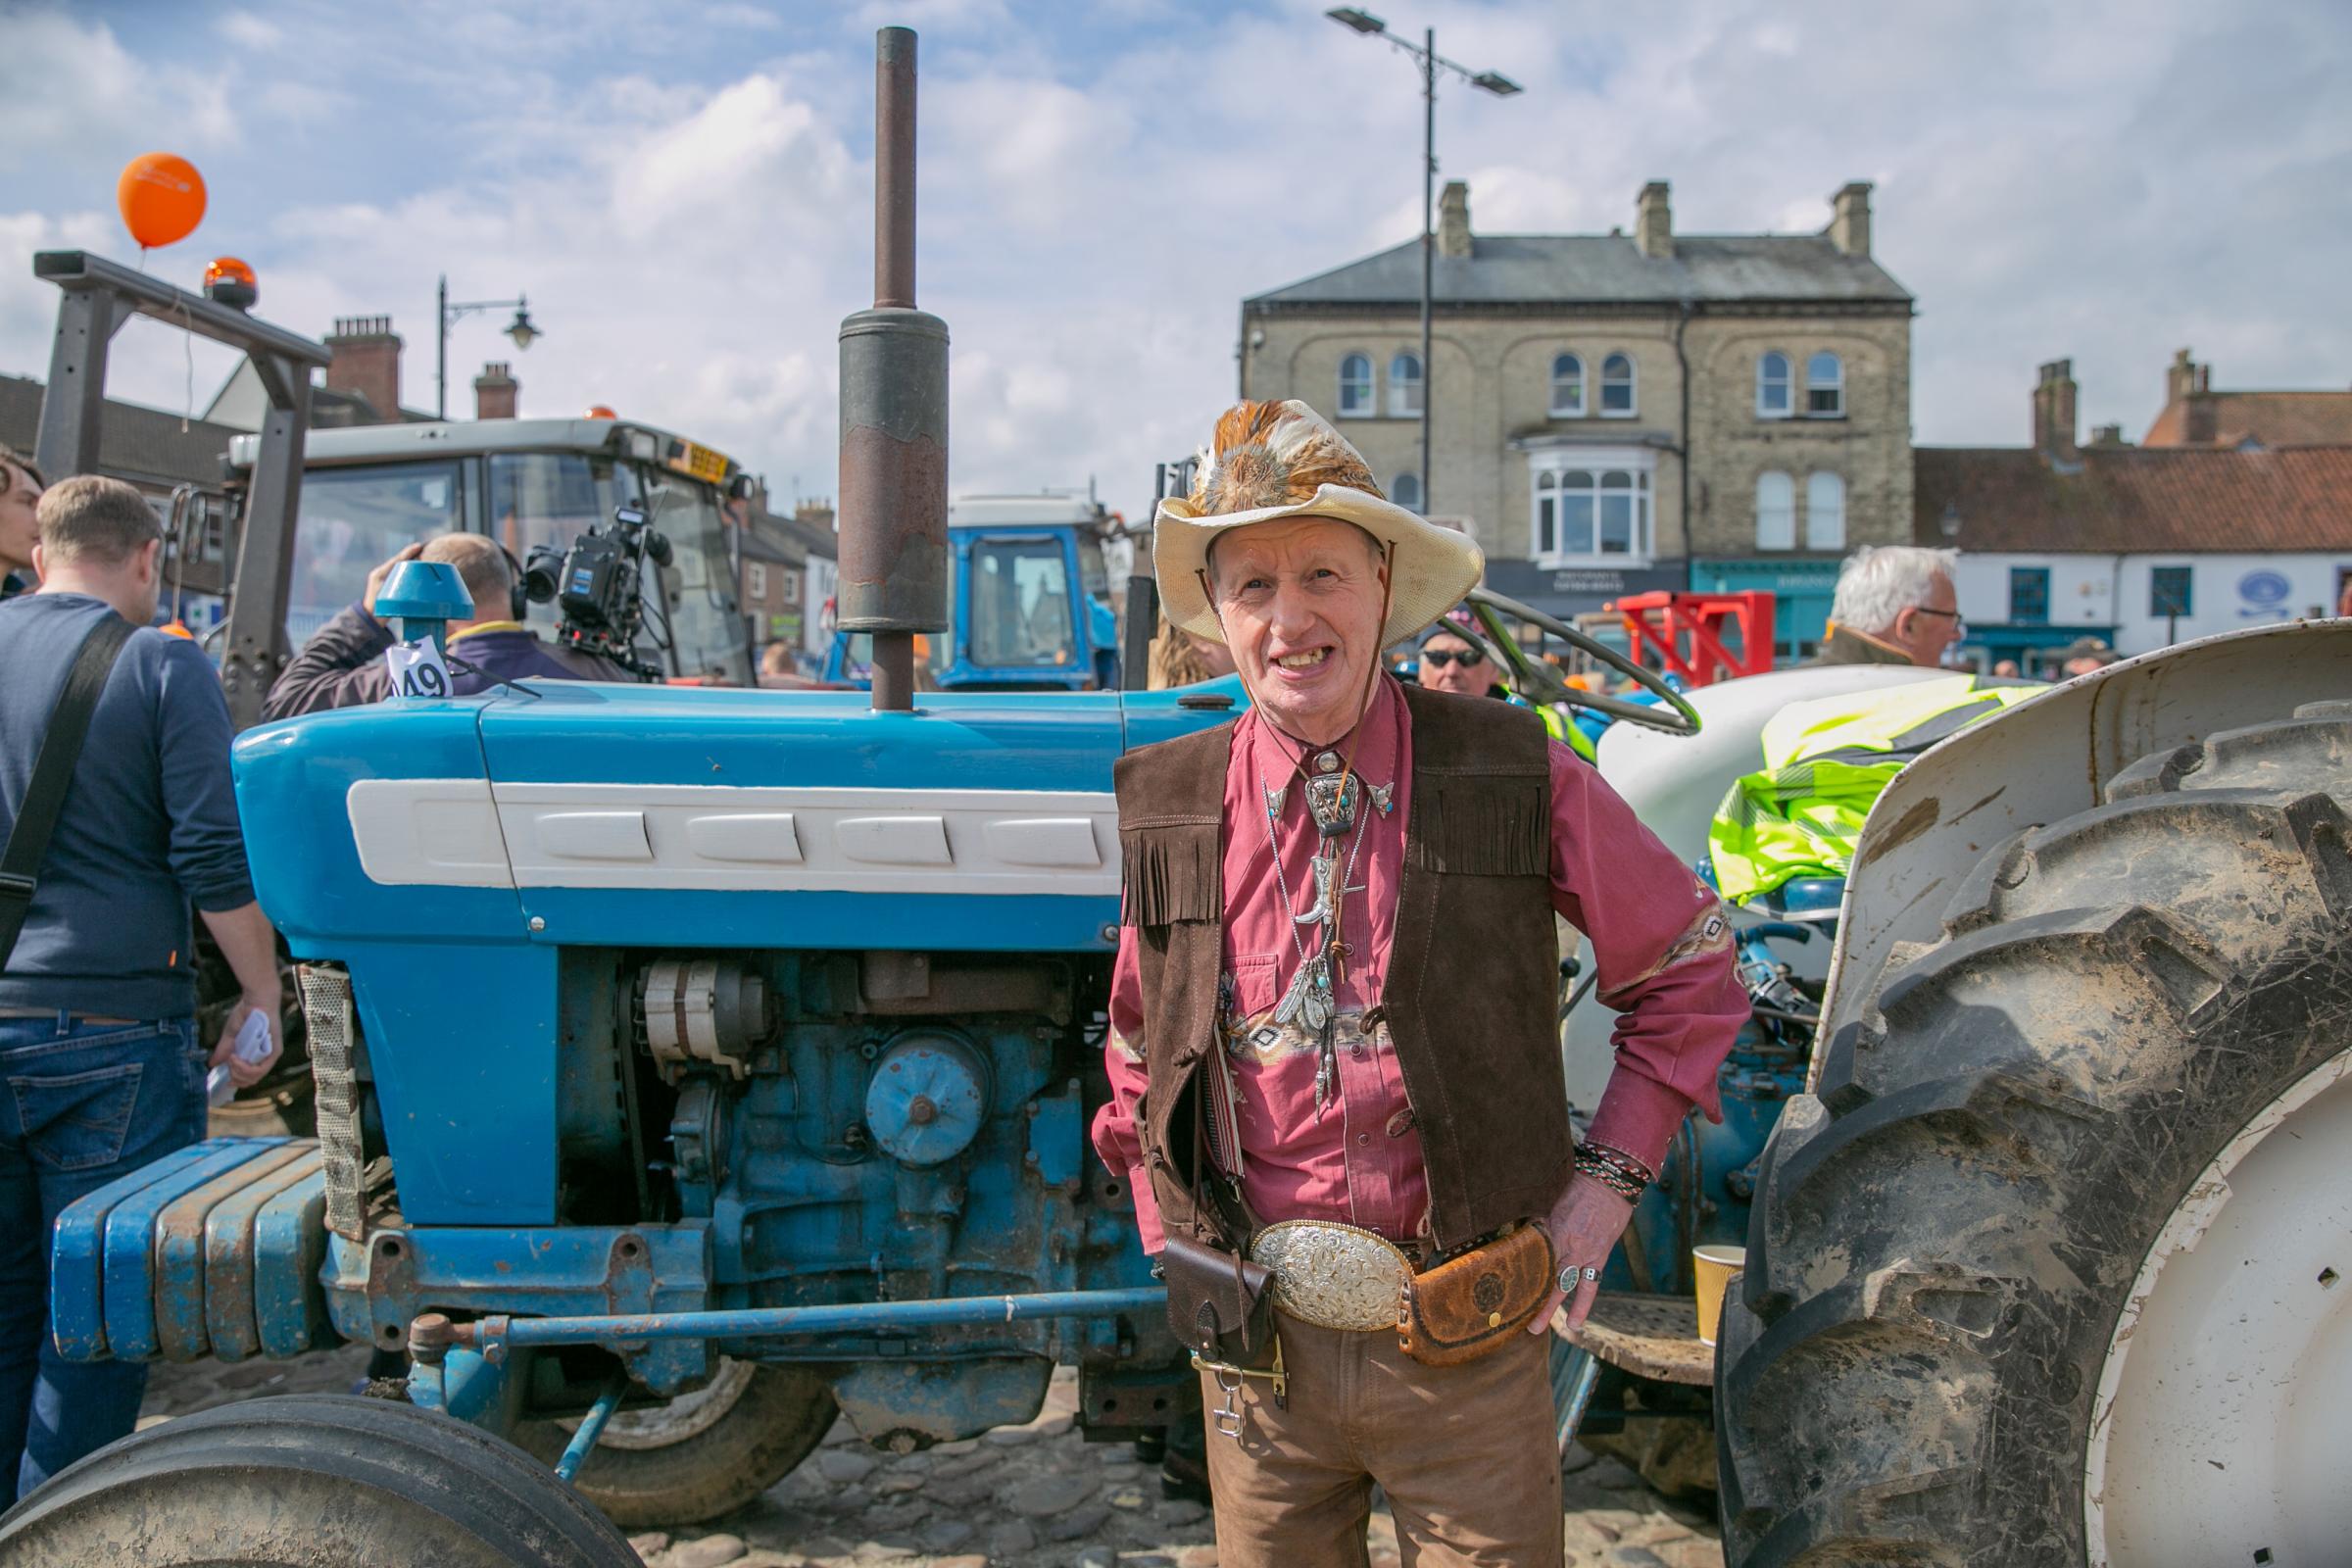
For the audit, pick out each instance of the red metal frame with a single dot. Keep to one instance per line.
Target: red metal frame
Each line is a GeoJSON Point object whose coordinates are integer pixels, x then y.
{"type": "Point", "coordinates": [1683, 634]}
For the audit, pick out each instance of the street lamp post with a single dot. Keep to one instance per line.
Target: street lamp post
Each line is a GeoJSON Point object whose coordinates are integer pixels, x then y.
{"type": "Point", "coordinates": [1429, 62]}
{"type": "Point", "coordinates": [521, 329]}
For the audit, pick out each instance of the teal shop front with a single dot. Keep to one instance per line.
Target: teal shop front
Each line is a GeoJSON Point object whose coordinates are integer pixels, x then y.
{"type": "Point", "coordinates": [1802, 591]}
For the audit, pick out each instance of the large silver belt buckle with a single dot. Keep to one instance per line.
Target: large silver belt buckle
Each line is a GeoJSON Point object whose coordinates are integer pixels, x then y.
{"type": "Point", "coordinates": [1333, 1276]}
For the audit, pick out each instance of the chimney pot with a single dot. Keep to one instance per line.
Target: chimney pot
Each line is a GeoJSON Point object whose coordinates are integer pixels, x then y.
{"type": "Point", "coordinates": [1654, 222]}
{"type": "Point", "coordinates": [495, 392]}
{"type": "Point", "coordinates": [365, 363]}
{"type": "Point", "coordinates": [2054, 412]}
{"type": "Point", "coordinates": [1849, 218]}
{"type": "Point", "coordinates": [1453, 220]}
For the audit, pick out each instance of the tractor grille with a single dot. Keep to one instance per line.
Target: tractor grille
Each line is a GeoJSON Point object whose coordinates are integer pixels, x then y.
{"type": "Point", "coordinates": [326, 1008]}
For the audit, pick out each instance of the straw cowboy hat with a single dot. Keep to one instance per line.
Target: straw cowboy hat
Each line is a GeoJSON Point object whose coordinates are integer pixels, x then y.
{"type": "Point", "coordinates": [1269, 461]}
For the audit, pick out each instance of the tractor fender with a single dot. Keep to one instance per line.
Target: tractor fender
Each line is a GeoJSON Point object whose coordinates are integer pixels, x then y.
{"type": "Point", "coordinates": [2045, 760]}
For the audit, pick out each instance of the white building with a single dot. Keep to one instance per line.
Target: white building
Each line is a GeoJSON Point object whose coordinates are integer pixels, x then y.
{"type": "Point", "coordinates": [2141, 546]}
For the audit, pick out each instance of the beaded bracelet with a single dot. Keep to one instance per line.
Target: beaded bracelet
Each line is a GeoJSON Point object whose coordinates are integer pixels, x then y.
{"type": "Point", "coordinates": [1620, 1172]}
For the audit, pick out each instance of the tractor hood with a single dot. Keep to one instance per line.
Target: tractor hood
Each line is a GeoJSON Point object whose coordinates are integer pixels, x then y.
{"type": "Point", "coordinates": [653, 817]}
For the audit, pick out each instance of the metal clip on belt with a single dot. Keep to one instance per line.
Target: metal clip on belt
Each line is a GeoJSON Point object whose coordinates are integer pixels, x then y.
{"type": "Point", "coordinates": [1227, 1417]}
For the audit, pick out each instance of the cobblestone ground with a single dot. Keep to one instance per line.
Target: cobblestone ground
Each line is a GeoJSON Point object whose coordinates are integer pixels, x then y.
{"type": "Point", "coordinates": [1019, 1498]}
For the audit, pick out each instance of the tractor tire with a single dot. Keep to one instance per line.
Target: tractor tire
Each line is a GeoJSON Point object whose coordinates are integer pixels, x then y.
{"type": "Point", "coordinates": [704, 1453]}
{"type": "Point", "coordinates": [1957, 1235]}
{"type": "Point", "coordinates": [306, 1478]}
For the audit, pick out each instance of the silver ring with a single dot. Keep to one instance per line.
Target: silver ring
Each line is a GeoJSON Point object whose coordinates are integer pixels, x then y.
{"type": "Point", "coordinates": [1591, 1274]}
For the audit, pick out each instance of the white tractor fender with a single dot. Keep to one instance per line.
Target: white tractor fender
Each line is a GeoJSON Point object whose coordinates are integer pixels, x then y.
{"type": "Point", "coordinates": [2047, 760]}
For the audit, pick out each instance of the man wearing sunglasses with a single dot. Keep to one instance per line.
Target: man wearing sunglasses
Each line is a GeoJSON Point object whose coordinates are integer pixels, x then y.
{"type": "Point", "coordinates": [1894, 606]}
{"type": "Point", "coordinates": [1449, 663]}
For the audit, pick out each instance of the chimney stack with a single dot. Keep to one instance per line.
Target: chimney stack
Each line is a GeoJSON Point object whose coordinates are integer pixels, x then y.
{"type": "Point", "coordinates": [1654, 222]}
{"type": "Point", "coordinates": [366, 362]}
{"type": "Point", "coordinates": [2191, 384]}
{"type": "Point", "coordinates": [2054, 412]}
{"type": "Point", "coordinates": [1453, 220]}
{"type": "Point", "coordinates": [1849, 218]}
{"type": "Point", "coordinates": [496, 391]}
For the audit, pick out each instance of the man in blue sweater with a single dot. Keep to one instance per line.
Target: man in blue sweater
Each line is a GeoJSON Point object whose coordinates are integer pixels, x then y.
{"type": "Point", "coordinates": [98, 1002]}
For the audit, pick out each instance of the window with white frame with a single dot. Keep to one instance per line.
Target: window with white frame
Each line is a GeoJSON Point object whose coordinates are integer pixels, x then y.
{"type": "Point", "coordinates": [1355, 386]}
{"type": "Point", "coordinates": [1776, 384]}
{"type": "Point", "coordinates": [1567, 387]}
{"type": "Point", "coordinates": [1404, 386]}
{"type": "Point", "coordinates": [1825, 511]}
{"type": "Point", "coordinates": [759, 574]}
{"type": "Point", "coordinates": [1617, 387]}
{"type": "Point", "coordinates": [1592, 507]}
{"type": "Point", "coordinates": [792, 587]}
{"type": "Point", "coordinates": [1825, 387]}
{"type": "Point", "coordinates": [1406, 491]}
{"type": "Point", "coordinates": [1776, 511]}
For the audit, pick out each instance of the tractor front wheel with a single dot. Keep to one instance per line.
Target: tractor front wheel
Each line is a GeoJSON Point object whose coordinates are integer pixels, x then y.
{"type": "Point", "coordinates": [2055, 1267]}
{"type": "Point", "coordinates": [700, 1454]}
{"type": "Point", "coordinates": [308, 1479]}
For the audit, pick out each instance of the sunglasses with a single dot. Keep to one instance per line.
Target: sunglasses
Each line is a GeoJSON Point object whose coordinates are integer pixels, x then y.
{"type": "Point", "coordinates": [1442, 656]}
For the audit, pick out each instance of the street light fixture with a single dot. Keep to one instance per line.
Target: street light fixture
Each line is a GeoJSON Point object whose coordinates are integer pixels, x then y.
{"type": "Point", "coordinates": [1425, 54]}
{"type": "Point", "coordinates": [522, 329]}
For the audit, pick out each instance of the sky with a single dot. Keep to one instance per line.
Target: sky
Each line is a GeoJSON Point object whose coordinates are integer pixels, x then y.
{"type": "Point", "coordinates": [683, 189]}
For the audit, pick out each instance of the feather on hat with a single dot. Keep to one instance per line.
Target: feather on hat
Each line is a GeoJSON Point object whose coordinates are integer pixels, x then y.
{"type": "Point", "coordinates": [1266, 461]}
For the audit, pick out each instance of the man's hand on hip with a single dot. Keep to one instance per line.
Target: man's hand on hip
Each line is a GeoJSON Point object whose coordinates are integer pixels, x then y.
{"type": "Point", "coordinates": [1584, 1225]}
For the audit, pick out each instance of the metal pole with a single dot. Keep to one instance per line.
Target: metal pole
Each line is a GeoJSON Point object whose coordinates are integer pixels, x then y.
{"type": "Point", "coordinates": [501, 1332]}
{"type": "Point", "coordinates": [1429, 242]}
{"type": "Point", "coordinates": [894, 281]}
{"type": "Point", "coordinates": [441, 353]}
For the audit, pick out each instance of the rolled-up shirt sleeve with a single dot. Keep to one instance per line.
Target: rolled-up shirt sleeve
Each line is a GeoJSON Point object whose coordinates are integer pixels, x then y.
{"type": "Point", "coordinates": [1663, 947]}
{"type": "Point", "coordinates": [1118, 1139]}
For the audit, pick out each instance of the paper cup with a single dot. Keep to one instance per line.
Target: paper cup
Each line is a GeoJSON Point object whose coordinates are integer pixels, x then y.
{"type": "Point", "coordinates": [1714, 1267]}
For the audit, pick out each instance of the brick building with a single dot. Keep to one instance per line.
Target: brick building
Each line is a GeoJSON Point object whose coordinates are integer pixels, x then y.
{"type": "Point", "coordinates": [2196, 415]}
{"type": "Point", "coordinates": [1621, 412]}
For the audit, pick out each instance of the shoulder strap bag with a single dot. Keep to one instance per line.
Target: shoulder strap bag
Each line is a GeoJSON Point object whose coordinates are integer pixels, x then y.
{"type": "Point", "coordinates": [53, 775]}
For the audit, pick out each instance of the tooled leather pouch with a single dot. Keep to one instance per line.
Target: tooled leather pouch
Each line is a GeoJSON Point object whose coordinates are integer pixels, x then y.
{"type": "Point", "coordinates": [1471, 1305]}
{"type": "Point", "coordinates": [1218, 1302]}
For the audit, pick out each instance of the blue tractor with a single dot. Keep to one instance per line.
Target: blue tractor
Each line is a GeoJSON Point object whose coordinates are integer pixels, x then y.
{"type": "Point", "coordinates": [1031, 601]}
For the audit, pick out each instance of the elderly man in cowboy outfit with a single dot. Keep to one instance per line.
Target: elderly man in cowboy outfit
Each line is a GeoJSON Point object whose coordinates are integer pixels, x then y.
{"type": "Point", "coordinates": [1333, 1050]}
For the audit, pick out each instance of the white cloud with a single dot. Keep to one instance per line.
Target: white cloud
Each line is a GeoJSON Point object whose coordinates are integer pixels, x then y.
{"type": "Point", "coordinates": [1101, 186]}
{"type": "Point", "coordinates": [248, 32]}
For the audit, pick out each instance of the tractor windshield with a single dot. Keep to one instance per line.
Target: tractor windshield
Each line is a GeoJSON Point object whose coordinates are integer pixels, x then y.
{"type": "Point", "coordinates": [1020, 605]}
{"type": "Point", "coordinates": [352, 521]}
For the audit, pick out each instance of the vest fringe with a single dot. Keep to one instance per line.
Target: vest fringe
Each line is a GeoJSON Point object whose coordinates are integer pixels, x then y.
{"type": "Point", "coordinates": [1484, 826]}
{"type": "Point", "coordinates": [1169, 874]}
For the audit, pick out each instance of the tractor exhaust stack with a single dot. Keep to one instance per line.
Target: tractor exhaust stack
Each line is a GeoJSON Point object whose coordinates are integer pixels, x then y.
{"type": "Point", "coordinates": [893, 414]}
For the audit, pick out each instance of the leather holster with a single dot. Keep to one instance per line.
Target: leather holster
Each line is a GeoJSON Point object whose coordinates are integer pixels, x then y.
{"type": "Point", "coordinates": [1469, 1306]}
{"type": "Point", "coordinates": [1219, 1303]}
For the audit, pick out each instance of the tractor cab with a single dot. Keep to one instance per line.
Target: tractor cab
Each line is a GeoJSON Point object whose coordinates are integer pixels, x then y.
{"type": "Point", "coordinates": [368, 491]}
{"type": "Point", "coordinates": [1031, 601]}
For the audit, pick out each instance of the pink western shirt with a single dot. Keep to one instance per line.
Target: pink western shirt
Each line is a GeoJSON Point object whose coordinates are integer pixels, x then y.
{"type": "Point", "coordinates": [1664, 959]}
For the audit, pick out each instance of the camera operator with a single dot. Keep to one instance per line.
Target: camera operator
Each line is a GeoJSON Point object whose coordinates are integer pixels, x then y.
{"type": "Point", "coordinates": [343, 665]}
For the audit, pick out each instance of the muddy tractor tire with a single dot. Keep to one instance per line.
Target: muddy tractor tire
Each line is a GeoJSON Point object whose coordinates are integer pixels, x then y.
{"type": "Point", "coordinates": [308, 1479]}
{"type": "Point", "coordinates": [2035, 1272]}
{"type": "Point", "coordinates": [702, 1455]}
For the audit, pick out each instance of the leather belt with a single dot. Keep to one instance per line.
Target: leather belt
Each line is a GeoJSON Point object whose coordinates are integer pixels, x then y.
{"type": "Point", "coordinates": [51, 1012]}
{"type": "Point", "coordinates": [1331, 1275]}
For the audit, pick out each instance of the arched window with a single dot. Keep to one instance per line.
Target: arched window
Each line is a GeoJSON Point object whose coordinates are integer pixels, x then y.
{"type": "Point", "coordinates": [1355, 386]}
{"type": "Point", "coordinates": [1825, 387]}
{"type": "Point", "coordinates": [1776, 511]}
{"type": "Point", "coordinates": [1404, 386]}
{"type": "Point", "coordinates": [1548, 515]}
{"type": "Point", "coordinates": [1567, 387]}
{"type": "Point", "coordinates": [1775, 383]}
{"type": "Point", "coordinates": [1825, 511]}
{"type": "Point", "coordinates": [1617, 387]}
{"type": "Point", "coordinates": [1406, 491]}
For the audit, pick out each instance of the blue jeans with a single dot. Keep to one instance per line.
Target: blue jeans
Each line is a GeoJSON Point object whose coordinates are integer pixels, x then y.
{"type": "Point", "coordinates": [81, 1104]}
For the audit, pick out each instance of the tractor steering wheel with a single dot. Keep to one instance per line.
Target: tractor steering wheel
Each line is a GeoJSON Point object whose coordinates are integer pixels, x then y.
{"type": "Point", "coordinates": [1540, 682]}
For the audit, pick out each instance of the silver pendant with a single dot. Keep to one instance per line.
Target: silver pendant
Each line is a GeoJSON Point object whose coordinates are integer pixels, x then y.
{"type": "Point", "coordinates": [1331, 801]}
{"type": "Point", "coordinates": [1328, 762]}
{"type": "Point", "coordinates": [1294, 998]}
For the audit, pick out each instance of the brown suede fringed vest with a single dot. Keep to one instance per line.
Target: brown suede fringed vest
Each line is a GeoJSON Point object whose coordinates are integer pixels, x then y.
{"type": "Point", "coordinates": [1471, 994]}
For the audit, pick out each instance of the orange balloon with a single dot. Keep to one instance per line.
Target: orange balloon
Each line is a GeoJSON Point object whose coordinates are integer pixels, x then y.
{"type": "Point", "coordinates": [162, 198]}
